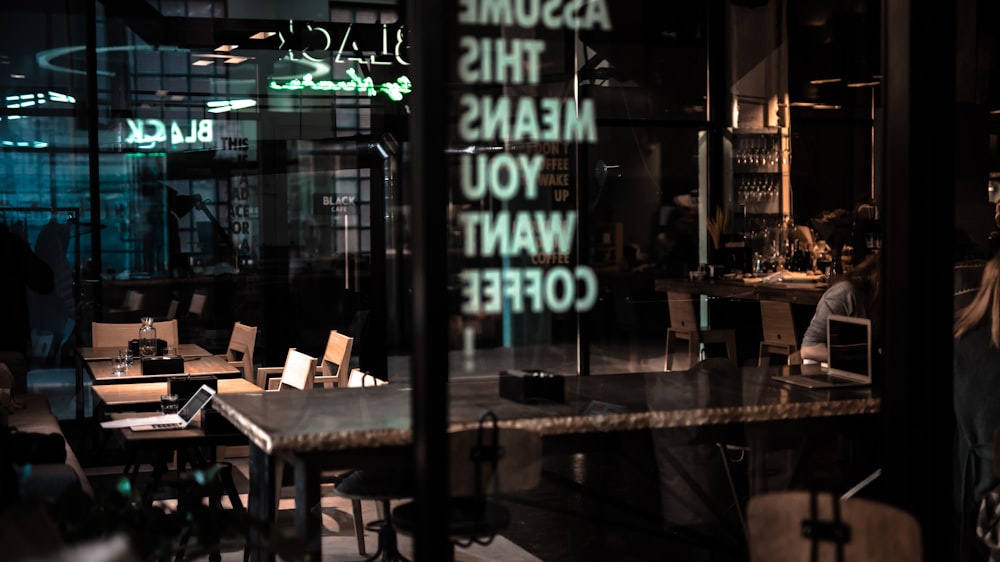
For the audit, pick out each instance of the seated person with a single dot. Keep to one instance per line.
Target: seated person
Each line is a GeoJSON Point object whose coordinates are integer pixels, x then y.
{"type": "Point", "coordinates": [854, 294]}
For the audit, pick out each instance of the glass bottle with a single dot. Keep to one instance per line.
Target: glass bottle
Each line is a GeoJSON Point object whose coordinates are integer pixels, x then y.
{"type": "Point", "coordinates": [147, 337]}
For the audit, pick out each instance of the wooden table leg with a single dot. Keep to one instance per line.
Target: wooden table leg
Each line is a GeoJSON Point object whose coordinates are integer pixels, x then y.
{"type": "Point", "coordinates": [262, 503]}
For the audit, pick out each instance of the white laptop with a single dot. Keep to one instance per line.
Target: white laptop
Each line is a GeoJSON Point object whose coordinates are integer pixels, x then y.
{"type": "Point", "coordinates": [180, 420]}
{"type": "Point", "coordinates": [849, 359]}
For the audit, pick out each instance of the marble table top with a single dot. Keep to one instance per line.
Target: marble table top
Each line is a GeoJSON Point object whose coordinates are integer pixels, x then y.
{"type": "Point", "coordinates": [352, 418]}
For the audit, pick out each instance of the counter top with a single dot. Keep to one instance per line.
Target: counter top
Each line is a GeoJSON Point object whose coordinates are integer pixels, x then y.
{"type": "Point", "coordinates": [355, 418]}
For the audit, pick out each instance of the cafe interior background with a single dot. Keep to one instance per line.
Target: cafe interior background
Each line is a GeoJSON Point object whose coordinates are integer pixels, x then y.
{"type": "Point", "coordinates": [258, 154]}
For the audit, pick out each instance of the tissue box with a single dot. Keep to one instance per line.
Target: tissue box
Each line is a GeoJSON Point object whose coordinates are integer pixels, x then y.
{"type": "Point", "coordinates": [532, 386]}
{"type": "Point", "coordinates": [162, 365]}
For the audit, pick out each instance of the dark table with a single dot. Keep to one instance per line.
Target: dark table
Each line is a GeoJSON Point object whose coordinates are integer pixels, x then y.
{"type": "Point", "coordinates": [326, 429]}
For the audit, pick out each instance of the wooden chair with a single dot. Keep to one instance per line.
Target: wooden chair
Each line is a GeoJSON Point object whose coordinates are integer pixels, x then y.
{"type": "Point", "coordinates": [801, 525]}
{"type": "Point", "coordinates": [485, 462]}
{"type": "Point", "coordinates": [112, 334]}
{"type": "Point", "coordinates": [298, 373]}
{"type": "Point", "coordinates": [196, 308]}
{"type": "Point", "coordinates": [780, 337]}
{"type": "Point", "coordinates": [172, 309]}
{"type": "Point", "coordinates": [131, 302]}
{"type": "Point", "coordinates": [337, 355]}
{"type": "Point", "coordinates": [239, 352]}
{"type": "Point", "coordinates": [684, 326]}
{"type": "Point", "coordinates": [361, 379]}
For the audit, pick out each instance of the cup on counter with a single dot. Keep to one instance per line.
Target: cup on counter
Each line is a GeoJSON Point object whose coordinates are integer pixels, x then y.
{"type": "Point", "coordinates": [170, 351]}
{"type": "Point", "coordinates": [129, 357]}
{"type": "Point", "coordinates": [169, 403]}
{"type": "Point", "coordinates": [119, 363]}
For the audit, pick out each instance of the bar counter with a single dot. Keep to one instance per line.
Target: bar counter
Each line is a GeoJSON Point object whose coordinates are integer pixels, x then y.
{"type": "Point", "coordinates": [796, 293]}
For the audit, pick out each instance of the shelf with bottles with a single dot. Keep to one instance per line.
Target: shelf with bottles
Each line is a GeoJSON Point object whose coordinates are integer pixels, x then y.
{"type": "Point", "coordinates": [758, 194]}
{"type": "Point", "coordinates": [757, 151]}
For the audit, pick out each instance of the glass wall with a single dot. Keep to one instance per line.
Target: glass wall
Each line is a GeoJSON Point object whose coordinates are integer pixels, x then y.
{"type": "Point", "coordinates": [257, 153]}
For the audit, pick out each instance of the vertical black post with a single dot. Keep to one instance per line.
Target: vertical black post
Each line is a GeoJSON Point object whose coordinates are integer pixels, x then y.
{"type": "Point", "coordinates": [93, 148]}
{"type": "Point", "coordinates": [429, 360]}
{"type": "Point", "coordinates": [920, 128]}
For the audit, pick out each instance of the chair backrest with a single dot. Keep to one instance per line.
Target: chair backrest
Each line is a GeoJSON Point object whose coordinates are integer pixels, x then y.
{"type": "Point", "coordinates": [172, 309]}
{"type": "Point", "coordinates": [778, 322]}
{"type": "Point", "coordinates": [113, 334]}
{"type": "Point", "coordinates": [241, 346]}
{"type": "Point", "coordinates": [779, 336]}
{"type": "Point", "coordinates": [132, 300]}
{"type": "Point", "coordinates": [680, 307]}
{"type": "Point", "coordinates": [197, 305]}
{"type": "Point", "coordinates": [878, 532]}
{"type": "Point", "coordinates": [361, 379]}
{"type": "Point", "coordinates": [298, 372]}
{"type": "Point", "coordinates": [338, 352]}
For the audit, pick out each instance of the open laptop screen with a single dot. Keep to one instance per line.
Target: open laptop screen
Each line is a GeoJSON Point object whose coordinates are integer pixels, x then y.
{"type": "Point", "coordinates": [849, 346]}
{"type": "Point", "coordinates": [194, 405]}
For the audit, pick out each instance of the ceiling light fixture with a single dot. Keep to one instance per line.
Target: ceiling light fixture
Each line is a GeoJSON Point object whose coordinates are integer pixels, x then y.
{"type": "Point", "coordinates": [825, 81]}
{"type": "Point", "coordinates": [226, 48]}
{"type": "Point", "coordinates": [222, 106]}
{"type": "Point", "coordinates": [863, 84]}
{"type": "Point", "coordinates": [202, 62]}
{"type": "Point", "coordinates": [263, 34]}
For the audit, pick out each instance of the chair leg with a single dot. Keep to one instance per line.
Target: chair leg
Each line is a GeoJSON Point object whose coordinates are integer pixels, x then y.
{"type": "Point", "coordinates": [737, 501]}
{"type": "Point", "coordinates": [388, 546]}
{"type": "Point", "coordinates": [359, 526]}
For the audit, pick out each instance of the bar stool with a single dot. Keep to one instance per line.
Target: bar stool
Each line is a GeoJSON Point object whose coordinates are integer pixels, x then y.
{"type": "Point", "coordinates": [684, 326]}
{"type": "Point", "coordinates": [382, 485]}
{"type": "Point", "coordinates": [778, 325]}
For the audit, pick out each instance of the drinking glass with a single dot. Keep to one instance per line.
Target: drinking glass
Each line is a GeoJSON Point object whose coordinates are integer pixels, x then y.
{"type": "Point", "coordinates": [119, 363]}
{"type": "Point", "coordinates": [169, 403]}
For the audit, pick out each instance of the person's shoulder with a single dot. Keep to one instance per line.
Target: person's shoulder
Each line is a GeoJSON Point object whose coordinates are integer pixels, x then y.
{"type": "Point", "coordinates": [839, 288]}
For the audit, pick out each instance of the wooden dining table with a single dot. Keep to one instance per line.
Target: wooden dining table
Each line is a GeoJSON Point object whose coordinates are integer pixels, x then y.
{"type": "Point", "coordinates": [106, 353]}
{"type": "Point", "coordinates": [326, 429]}
{"type": "Point", "coordinates": [87, 354]}
{"type": "Point", "coordinates": [146, 395]}
{"type": "Point", "coordinates": [101, 373]}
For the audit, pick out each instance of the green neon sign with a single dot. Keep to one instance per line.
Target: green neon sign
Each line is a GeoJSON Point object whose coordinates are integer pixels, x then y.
{"type": "Point", "coordinates": [393, 90]}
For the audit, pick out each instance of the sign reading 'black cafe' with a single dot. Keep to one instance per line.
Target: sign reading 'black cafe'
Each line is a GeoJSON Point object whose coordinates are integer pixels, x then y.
{"type": "Point", "coordinates": [557, 286]}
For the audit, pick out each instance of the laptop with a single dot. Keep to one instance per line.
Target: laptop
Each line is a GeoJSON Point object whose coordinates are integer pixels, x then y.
{"type": "Point", "coordinates": [180, 420]}
{"type": "Point", "coordinates": [849, 360]}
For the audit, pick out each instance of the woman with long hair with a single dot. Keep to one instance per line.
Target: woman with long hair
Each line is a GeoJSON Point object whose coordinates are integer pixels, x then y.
{"type": "Point", "coordinates": [976, 374]}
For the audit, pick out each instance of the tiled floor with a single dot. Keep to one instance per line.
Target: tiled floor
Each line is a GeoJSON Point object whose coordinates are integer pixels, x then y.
{"type": "Point", "coordinates": [603, 506]}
